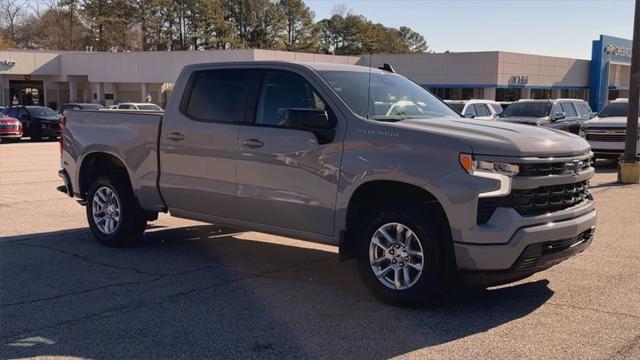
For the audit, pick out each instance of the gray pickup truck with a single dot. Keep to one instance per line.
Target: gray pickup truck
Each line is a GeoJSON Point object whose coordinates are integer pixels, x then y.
{"type": "Point", "coordinates": [357, 157]}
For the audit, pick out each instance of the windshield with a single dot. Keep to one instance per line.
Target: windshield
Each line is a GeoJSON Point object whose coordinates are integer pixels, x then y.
{"type": "Point", "coordinates": [385, 96]}
{"type": "Point", "coordinates": [150, 107]}
{"type": "Point", "coordinates": [37, 111]}
{"type": "Point", "coordinates": [527, 109]}
{"type": "Point", "coordinates": [618, 108]}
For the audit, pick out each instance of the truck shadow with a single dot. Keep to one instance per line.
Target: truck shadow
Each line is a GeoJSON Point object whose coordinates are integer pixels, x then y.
{"type": "Point", "coordinates": [206, 291]}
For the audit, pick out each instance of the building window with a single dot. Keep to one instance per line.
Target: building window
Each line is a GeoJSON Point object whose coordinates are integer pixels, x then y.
{"type": "Point", "coordinates": [458, 93]}
{"type": "Point", "coordinates": [541, 94]}
{"type": "Point", "coordinates": [507, 94]}
{"type": "Point", "coordinates": [574, 93]}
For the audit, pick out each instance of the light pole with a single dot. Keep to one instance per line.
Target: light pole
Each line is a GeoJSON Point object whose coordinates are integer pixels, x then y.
{"type": "Point", "coordinates": [629, 168]}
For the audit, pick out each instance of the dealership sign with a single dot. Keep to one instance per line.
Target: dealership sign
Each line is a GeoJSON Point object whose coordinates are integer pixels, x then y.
{"type": "Point", "coordinates": [617, 50]}
{"type": "Point", "coordinates": [520, 79]}
{"type": "Point", "coordinates": [6, 64]}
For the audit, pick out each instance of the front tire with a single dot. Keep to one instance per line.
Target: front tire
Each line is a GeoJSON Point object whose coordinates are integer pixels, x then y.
{"type": "Point", "coordinates": [114, 216]}
{"type": "Point", "coordinates": [400, 258]}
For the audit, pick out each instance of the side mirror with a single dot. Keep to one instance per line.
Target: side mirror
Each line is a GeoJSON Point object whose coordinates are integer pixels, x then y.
{"type": "Point", "coordinates": [470, 116]}
{"type": "Point", "coordinates": [317, 121]}
{"type": "Point", "coordinates": [592, 115]}
{"type": "Point", "coordinates": [557, 117]}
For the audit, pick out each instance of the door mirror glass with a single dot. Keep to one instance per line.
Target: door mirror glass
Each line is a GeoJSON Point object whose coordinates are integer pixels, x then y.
{"type": "Point", "coordinates": [315, 120]}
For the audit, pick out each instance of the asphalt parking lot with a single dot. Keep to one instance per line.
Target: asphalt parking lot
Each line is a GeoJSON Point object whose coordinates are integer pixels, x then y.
{"type": "Point", "coordinates": [195, 290]}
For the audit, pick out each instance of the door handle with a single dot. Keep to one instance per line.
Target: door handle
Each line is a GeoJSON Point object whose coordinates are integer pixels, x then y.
{"type": "Point", "coordinates": [175, 136]}
{"type": "Point", "coordinates": [253, 143]}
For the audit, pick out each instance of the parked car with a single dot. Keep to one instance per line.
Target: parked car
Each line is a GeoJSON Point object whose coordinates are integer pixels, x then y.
{"type": "Point", "coordinates": [139, 106]}
{"type": "Point", "coordinates": [606, 132]}
{"type": "Point", "coordinates": [10, 128]}
{"type": "Point", "coordinates": [562, 114]}
{"type": "Point", "coordinates": [309, 151]}
{"type": "Point", "coordinates": [37, 121]}
{"type": "Point", "coordinates": [505, 104]}
{"type": "Point", "coordinates": [79, 106]}
{"type": "Point", "coordinates": [476, 109]}
{"type": "Point", "coordinates": [3, 110]}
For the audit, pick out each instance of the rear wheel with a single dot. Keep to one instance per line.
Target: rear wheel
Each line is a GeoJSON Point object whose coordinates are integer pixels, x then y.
{"type": "Point", "coordinates": [114, 216]}
{"type": "Point", "coordinates": [400, 258]}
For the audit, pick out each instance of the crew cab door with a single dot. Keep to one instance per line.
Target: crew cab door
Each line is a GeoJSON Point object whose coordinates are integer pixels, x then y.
{"type": "Point", "coordinates": [287, 178]}
{"type": "Point", "coordinates": [198, 143]}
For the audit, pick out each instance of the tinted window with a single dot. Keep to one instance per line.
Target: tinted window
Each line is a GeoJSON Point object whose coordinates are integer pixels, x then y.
{"type": "Point", "coordinates": [497, 108]}
{"type": "Point", "coordinates": [569, 110]}
{"type": "Point", "coordinates": [618, 108]}
{"type": "Point", "coordinates": [13, 112]}
{"type": "Point", "coordinates": [281, 91]}
{"type": "Point", "coordinates": [470, 111]}
{"type": "Point", "coordinates": [22, 112]}
{"type": "Point", "coordinates": [583, 109]}
{"type": "Point", "coordinates": [482, 110]}
{"type": "Point", "coordinates": [39, 111]}
{"type": "Point", "coordinates": [218, 95]}
{"type": "Point", "coordinates": [457, 106]}
{"type": "Point", "coordinates": [153, 107]}
{"type": "Point", "coordinates": [527, 109]}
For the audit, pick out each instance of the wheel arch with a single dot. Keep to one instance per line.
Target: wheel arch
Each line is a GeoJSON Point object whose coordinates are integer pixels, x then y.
{"type": "Point", "coordinates": [360, 202]}
{"type": "Point", "coordinates": [97, 163]}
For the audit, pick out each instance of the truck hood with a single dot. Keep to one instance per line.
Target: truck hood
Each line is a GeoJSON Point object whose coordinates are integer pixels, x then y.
{"type": "Point", "coordinates": [606, 122]}
{"type": "Point", "coordinates": [525, 120]}
{"type": "Point", "coordinates": [499, 138]}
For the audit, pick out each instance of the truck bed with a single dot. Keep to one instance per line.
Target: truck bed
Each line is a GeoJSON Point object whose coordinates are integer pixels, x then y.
{"type": "Point", "coordinates": [130, 136]}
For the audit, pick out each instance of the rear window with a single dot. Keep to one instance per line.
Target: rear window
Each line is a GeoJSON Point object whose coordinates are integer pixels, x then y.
{"type": "Point", "coordinates": [149, 107]}
{"type": "Point", "coordinates": [218, 95]}
{"type": "Point", "coordinates": [38, 111]}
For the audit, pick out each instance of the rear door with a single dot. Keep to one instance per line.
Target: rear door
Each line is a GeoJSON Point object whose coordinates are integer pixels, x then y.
{"type": "Point", "coordinates": [286, 178]}
{"type": "Point", "coordinates": [572, 119]}
{"type": "Point", "coordinates": [198, 142]}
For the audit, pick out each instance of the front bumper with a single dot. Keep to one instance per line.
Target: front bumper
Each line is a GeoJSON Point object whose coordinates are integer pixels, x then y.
{"type": "Point", "coordinates": [531, 249]}
{"type": "Point", "coordinates": [4, 135]}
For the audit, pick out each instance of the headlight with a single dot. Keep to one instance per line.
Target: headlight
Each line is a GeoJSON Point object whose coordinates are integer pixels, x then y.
{"type": "Point", "coordinates": [503, 172]}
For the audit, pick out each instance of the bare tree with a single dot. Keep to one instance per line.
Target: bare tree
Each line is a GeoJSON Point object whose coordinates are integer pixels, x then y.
{"type": "Point", "coordinates": [12, 12]}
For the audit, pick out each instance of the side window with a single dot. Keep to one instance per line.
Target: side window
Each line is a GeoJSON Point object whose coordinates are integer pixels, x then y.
{"type": "Point", "coordinates": [497, 108]}
{"type": "Point", "coordinates": [13, 113]}
{"type": "Point", "coordinates": [22, 112]}
{"type": "Point", "coordinates": [124, 107]}
{"type": "Point", "coordinates": [218, 95]}
{"type": "Point", "coordinates": [481, 110]}
{"type": "Point", "coordinates": [569, 110]}
{"type": "Point", "coordinates": [282, 90]}
{"type": "Point", "coordinates": [470, 111]}
{"type": "Point", "coordinates": [559, 111]}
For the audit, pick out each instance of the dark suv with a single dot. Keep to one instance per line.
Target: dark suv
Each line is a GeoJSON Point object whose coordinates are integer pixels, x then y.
{"type": "Point", "coordinates": [37, 121]}
{"type": "Point", "coordinates": [561, 114]}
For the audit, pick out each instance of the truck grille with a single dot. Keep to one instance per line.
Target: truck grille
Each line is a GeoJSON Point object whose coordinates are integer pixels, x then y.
{"type": "Point", "coordinates": [531, 202]}
{"type": "Point", "coordinates": [555, 168]}
{"type": "Point", "coordinates": [606, 135]}
{"type": "Point", "coordinates": [8, 126]}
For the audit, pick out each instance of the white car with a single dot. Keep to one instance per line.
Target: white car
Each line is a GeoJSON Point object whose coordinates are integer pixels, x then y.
{"type": "Point", "coordinates": [476, 109]}
{"type": "Point", "coordinates": [139, 106]}
{"type": "Point", "coordinates": [606, 132]}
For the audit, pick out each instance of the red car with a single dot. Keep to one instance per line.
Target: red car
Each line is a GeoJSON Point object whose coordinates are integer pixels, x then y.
{"type": "Point", "coordinates": [10, 128]}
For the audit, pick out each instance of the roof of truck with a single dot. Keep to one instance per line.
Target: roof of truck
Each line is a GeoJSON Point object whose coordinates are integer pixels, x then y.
{"type": "Point", "coordinates": [317, 66]}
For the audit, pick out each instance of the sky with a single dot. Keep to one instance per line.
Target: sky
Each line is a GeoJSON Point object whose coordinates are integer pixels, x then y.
{"type": "Point", "coordinates": [563, 28]}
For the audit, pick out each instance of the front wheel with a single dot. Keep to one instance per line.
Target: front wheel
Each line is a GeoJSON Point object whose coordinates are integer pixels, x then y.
{"type": "Point", "coordinates": [114, 216]}
{"type": "Point", "coordinates": [400, 258]}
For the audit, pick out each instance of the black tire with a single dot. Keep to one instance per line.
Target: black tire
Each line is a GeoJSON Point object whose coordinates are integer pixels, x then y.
{"type": "Point", "coordinates": [431, 286]}
{"type": "Point", "coordinates": [132, 221]}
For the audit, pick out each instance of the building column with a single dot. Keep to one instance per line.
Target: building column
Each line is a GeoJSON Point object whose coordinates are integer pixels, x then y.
{"type": "Point", "coordinates": [556, 93]}
{"type": "Point", "coordinates": [114, 89]}
{"type": "Point", "coordinates": [44, 93]}
{"type": "Point", "coordinates": [489, 93]}
{"type": "Point", "coordinates": [73, 90]}
{"type": "Point", "coordinates": [525, 93]}
{"type": "Point", "coordinates": [97, 93]}
{"type": "Point", "coordinates": [144, 91]}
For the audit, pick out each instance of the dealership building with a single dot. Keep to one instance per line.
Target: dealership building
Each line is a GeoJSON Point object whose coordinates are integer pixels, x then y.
{"type": "Point", "coordinates": [51, 78]}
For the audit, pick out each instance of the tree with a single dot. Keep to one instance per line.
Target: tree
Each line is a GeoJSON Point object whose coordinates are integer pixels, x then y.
{"type": "Point", "coordinates": [414, 41]}
{"type": "Point", "coordinates": [258, 23]}
{"type": "Point", "coordinates": [6, 43]}
{"type": "Point", "coordinates": [46, 31]}
{"type": "Point", "coordinates": [12, 12]}
{"type": "Point", "coordinates": [300, 33]}
{"type": "Point", "coordinates": [109, 24]}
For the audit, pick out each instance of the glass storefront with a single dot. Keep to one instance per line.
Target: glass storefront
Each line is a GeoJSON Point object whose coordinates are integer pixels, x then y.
{"type": "Point", "coordinates": [23, 92]}
{"type": "Point", "coordinates": [459, 93]}
{"type": "Point", "coordinates": [541, 94]}
{"type": "Point", "coordinates": [503, 94]}
{"type": "Point", "coordinates": [577, 93]}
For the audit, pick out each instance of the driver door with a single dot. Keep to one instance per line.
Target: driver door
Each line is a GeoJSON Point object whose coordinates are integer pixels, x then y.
{"type": "Point", "coordinates": [286, 179]}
